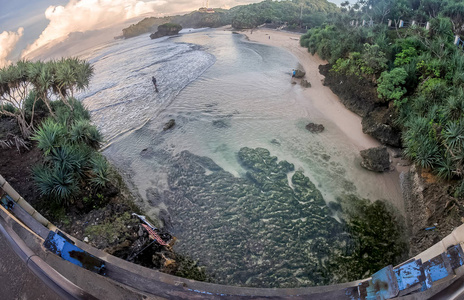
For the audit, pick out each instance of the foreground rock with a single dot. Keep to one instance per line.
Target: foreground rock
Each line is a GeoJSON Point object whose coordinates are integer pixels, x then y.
{"type": "Point", "coordinates": [376, 159]}
{"type": "Point", "coordinates": [315, 128]}
{"type": "Point", "coordinates": [166, 30]}
{"type": "Point", "coordinates": [171, 123]}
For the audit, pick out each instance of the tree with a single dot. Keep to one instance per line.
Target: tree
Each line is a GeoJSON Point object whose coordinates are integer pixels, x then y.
{"type": "Point", "coordinates": [47, 79]}
{"type": "Point", "coordinates": [14, 88]}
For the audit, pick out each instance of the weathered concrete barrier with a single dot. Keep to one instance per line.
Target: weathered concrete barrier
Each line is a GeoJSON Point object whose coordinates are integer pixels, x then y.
{"type": "Point", "coordinates": [124, 280]}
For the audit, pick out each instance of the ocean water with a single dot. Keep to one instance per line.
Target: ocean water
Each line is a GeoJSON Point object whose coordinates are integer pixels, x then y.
{"type": "Point", "coordinates": [224, 93]}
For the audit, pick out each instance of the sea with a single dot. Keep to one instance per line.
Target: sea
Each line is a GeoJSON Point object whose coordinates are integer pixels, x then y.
{"type": "Point", "coordinates": [224, 93]}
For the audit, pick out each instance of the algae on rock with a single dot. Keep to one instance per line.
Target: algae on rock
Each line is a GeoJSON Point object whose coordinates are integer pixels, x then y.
{"type": "Point", "coordinates": [268, 230]}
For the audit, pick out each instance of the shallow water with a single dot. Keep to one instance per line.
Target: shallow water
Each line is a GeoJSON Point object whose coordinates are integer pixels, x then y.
{"type": "Point", "coordinates": [224, 94]}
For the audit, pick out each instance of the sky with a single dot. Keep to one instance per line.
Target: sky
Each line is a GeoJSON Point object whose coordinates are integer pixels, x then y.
{"type": "Point", "coordinates": [29, 25]}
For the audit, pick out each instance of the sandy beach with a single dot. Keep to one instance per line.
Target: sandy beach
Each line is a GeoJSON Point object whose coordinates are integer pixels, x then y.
{"type": "Point", "coordinates": [327, 102]}
{"type": "Point", "coordinates": [323, 98]}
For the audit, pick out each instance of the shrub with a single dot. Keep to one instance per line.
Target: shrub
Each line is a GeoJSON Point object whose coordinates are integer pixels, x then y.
{"type": "Point", "coordinates": [58, 184]}
{"type": "Point", "coordinates": [49, 135]}
{"type": "Point", "coordinates": [100, 171]}
{"type": "Point", "coordinates": [68, 115]}
{"type": "Point", "coordinates": [82, 132]}
{"type": "Point", "coordinates": [390, 84]}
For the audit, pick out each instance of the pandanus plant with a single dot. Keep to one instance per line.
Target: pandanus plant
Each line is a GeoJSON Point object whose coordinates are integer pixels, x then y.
{"type": "Point", "coordinates": [52, 80]}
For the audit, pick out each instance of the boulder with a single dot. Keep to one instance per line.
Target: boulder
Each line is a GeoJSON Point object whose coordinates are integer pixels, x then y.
{"type": "Point", "coordinates": [376, 159]}
{"type": "Point", "coordinates": [299, 73]}
{"type": "Point", "coordinates": [315, 128]}
{"type": "Point", "coordinates": [165, 30]}
{"type": "Point", "coordinates": [304, 83]}
{"type": "Point", "coordinates": [379, 124]}
{"type": "Point", "coordinates": [169, 124]}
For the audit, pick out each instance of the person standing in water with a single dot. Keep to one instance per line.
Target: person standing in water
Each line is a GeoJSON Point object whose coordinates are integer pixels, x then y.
{"type": "Point", "coordinates": [153, 79]}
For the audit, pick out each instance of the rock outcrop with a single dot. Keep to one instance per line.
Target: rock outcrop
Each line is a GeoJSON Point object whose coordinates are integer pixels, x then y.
{"type": "Point", "coordinates": [376, 159]}
{"type": "Point", "coordinates": [299, 73]}
{"type": "Point", "coordinates": [357, 94]}
{"type": "Point", "coordinates": [379, 124]}
{"type": "Point", "coordinates": [165, 30]}
{"type": "Point", "coordinates": [315, 128]}
{"type": "Point", "coordinates": [171, 123]}
{"type": "Point", "coordinates": [304, 83]}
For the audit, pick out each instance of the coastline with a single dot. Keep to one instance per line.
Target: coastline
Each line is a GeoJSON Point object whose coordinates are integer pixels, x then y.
{"type": "Point", "coordinates": [328, 103]}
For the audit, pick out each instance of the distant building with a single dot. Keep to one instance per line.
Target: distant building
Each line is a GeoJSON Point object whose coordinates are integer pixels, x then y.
{"type": "Point", "coordinates": [206, 9]}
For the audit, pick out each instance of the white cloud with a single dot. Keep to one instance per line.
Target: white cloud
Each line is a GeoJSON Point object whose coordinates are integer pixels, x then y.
{"type": "Point", "coordinates": [84, 15]}
{"type": "Point", "coordinates": [8, 40]}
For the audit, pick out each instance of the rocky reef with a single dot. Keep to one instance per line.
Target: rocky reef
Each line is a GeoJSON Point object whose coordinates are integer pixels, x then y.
{"type": "Point", "coordinates": [272, 227]}
{"type": "Point", "coordinates": [165, 30]}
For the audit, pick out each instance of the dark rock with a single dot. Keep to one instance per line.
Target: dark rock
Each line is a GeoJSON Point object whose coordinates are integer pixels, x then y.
{"type": "Point", "coordinates": [315, 128]}
{"type": "Point", "coordinates": [357, 94]}
{"type": "Point", "coordinates": [325, 157]}
{"type": "Point", "coordinates": [221, 124]}
{"type": "Point", "coordinates": [299, 73]}
{"type": "Point", "coordinates": [275, 142]}
{"type": "Point", "coordinates": [304, 83]}
{"type": "Point", "coordinates": [376, 159]}
{"type": "Point", "coordinates": [165, 30]}
{"type": "Point", "coordinates": [147, 152]}
{"type": "Point", "coordinates": [165, 217]}
{"type": "Point", "coordinates": [153, 196]}
{"type": "Point", "coordinates": [379, 124]}
{"type": "Point", "coordinates": [169, 124]}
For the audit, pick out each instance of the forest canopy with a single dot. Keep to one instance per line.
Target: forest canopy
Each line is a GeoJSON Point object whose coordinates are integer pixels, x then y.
{"type": "Point", "coordinates": [295, 14]}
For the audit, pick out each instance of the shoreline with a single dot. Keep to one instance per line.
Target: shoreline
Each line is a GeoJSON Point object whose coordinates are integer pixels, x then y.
{"type": "Point", "coordinates": [329, 104]}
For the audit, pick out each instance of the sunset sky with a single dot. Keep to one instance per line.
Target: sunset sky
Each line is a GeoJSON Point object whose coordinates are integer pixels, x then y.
{"type": "Point", "coordinates": [27, 25]}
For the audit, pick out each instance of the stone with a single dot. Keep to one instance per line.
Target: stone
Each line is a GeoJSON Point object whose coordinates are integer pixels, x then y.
{"type": "Point", "coordinates": [304, 83]}
{"type": "Point", "coordinates": [299, 73]}
{"type": "Point", "coordinates": [86, 239]}
{"type": "Point", "coordinates": [315, 128]}
{"type": "Point", "coordinates": [379, 124]}
{"type": "Point", "coordinates": [376, 159]}
{"type": "Point", "coordinates": [171, 123]}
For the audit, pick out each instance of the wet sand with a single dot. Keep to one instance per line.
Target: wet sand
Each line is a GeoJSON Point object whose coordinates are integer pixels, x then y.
{"type": "Point", "coordinates": [327, 102]}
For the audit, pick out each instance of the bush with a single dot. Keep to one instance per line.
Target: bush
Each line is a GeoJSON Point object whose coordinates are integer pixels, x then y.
{"type": "Point", "coordinates": [390, 84]}
{"type": "Point", "coordinates": [49, 135]}
{"type": "Point", "coordinates": [72, 164]}
{"type": "Point", "coordinates": [66, 115]}
{"type": "Point", "coordinates": [82, 132]}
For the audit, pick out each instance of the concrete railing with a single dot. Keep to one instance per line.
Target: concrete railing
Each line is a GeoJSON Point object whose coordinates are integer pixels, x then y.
{"type": "Point", "coordinates": [125, 280]}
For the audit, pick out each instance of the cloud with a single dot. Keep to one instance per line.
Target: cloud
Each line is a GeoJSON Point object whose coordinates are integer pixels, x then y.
{"type": "Point", "coordinates": [84, 15]}
{"type": "Point", "coordinates": [8, 40]}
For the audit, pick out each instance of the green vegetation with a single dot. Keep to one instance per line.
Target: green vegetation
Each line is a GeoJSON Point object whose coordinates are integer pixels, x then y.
{"type": "Point", "coordinates": [298, 13]}
{"type": "Point", "coordinates": [419, 71]}
{"type": "Point", "coordinates": [72, 166]}
{"type": "Point", "coordinates": [295, 14]}
{"type": "Point", "coordinates": [25, 85]}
